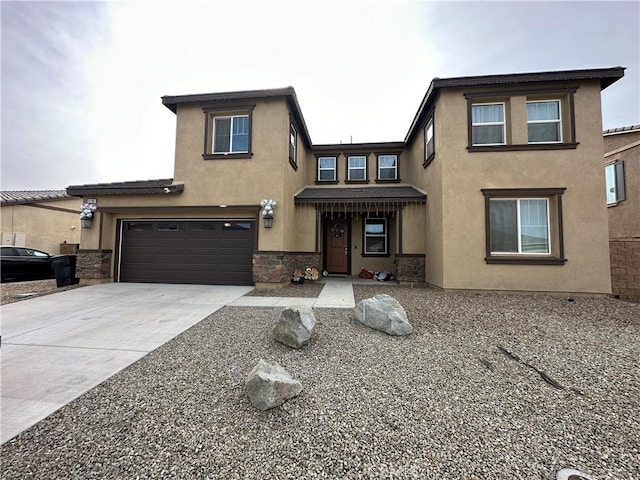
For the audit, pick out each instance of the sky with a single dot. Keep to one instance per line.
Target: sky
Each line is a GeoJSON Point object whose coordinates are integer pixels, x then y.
{"type": "Point", "coordinates": [81, 82]}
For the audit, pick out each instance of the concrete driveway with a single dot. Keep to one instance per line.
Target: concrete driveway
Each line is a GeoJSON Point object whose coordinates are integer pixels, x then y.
{"type": "Point", "coordinates": [57, 347]}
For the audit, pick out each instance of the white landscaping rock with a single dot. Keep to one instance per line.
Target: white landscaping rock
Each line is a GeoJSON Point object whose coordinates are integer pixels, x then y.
{"type": "Point", "coordinates": [269, 386]}
{"type": "Point", "coordinates": [383, 312]}
{"type": "Point", "coordinates": [295, 326]}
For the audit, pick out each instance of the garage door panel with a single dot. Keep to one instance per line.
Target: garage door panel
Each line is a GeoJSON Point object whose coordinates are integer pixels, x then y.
{"type": "Point", "coordinates": [205, 252]}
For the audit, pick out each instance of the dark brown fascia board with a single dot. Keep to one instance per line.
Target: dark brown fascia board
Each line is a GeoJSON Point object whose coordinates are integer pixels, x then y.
{"type": "Point", "coordinates": [151, 187]}
{"type": "Point", "coordinates": [172, 102]}
{"type": "Point", "coordinates": [359, 147]}
{"type": "Point", "coordinates": [607, 77]}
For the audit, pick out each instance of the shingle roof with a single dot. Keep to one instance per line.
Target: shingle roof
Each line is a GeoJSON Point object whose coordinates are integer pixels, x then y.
{"type": "Point", "coordinates": [139, 187]}
{"type": "Point", "coordinates": [32, 196]}
{"type": "Point", "coordinates": [630, 128]}
{"type": "Point", "coordinates": [360, 195]}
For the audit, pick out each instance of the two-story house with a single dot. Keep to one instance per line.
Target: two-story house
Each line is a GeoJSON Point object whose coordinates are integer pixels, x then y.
{"type": "Point", "coordinates": [496, 186]}
{"type": "Point", "coordinates": [622, 176]}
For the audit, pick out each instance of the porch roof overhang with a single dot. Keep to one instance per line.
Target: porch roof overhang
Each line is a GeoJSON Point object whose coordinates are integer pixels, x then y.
{"type": "Point", "coordinates": [361, 197]}
{"type": "Point", "coordinates": [138, 187]}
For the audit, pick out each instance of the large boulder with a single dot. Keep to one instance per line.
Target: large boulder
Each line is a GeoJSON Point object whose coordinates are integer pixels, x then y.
{"type": "Point", "coordinates": [269, 386]}
{"type": "Point", "coordinates": [383, 312]}
{"type": "Point", "coordinates": [295, 326]}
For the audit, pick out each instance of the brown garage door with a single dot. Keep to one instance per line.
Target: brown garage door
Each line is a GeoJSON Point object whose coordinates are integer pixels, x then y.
{"type": "Point", "coordinates": [200, 252]}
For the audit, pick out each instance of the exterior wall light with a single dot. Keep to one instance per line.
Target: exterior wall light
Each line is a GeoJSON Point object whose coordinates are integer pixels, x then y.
{"type": "Point", "coordinates": [267, 212]}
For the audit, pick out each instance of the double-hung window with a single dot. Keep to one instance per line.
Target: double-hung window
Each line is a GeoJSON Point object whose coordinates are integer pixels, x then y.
{"type": "Point", "coordinates": [614, 178]}
{"type": "Point", "coordinates": [524, 226]}
{"type": "Point", "coordinates": [387, 167]}
{"type": "Point", "coordinates": [375, 236]}
{"type": "Point", "coordinates": [293, 145]}
{"type": "Point", "coordinates": [544, 124]}
{"type": "Point", "coordinates": [327, 169]}
{"type": "Point", "coordinates": [231, 134]}
{"type": "Point", "coordinates": [357, 168]}
{"type": "Point", "coordinates": [429, 146]}
{"type": "Point", "coordinates": [488, 125]}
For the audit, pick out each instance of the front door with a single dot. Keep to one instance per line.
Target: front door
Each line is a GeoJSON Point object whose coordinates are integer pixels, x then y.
{"type": "Point", "coordinates": [337, 245]}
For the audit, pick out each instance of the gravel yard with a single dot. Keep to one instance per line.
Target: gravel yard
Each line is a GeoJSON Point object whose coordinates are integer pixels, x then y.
{"type": "Point", "coordinates": [445, 402]}
{"type": "Point", "coordinates": [17, 291]}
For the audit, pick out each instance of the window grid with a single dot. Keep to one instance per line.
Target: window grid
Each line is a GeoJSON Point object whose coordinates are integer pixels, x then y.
{"type": "Point", "coordinates": [375, 232]}
{"type": "Point", "coordinates": [357, 168]}
{"type": "Point", "coordinates": [551, 116]}
{"type": "Point", "coordinates": [485, 117]}
{"type": "Point", "coordinates": [388, 167]}
{"type": "Point", "coordinates": [327, 169]}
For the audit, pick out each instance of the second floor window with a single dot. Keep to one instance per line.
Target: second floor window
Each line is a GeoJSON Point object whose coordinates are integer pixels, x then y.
{"type": "Point", "coordinates": [487, 124]}
{"type": "Point", "coordinates": [231, 134]}
{"type": "Point", "coordinates": [388, 167]}
{"type": "Point", "coordinates": [543, 121]}
{"type": "Point", "coordinates": [293, 144]}
{"type": "Point", "coordinates": [357, 168]}
{"type": "Point", "coordinates": [614, 179]}
{"type": "Point", "coordinates": [327, 169]}
{"type": "Point", "coordinates": [429, 147]}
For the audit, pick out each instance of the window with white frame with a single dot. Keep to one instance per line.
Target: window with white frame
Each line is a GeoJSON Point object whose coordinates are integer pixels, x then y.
{"type": "Point", "coordinates": [519, 225]}
{"type": "Point", "coordinates": [357, 168]}
{"type": "Point", "coordinates": [375, 236]}
{"type": "Point", "coordinates": [293, 144]}
{"type": "Point", "coordinates": [429, 147]}
{"type": "Point", "coordinates": [387, 167]}
{"type": "Point", "coordinates": [614, 179]}
{"type": "Point", "coordinates": [544, 122]}
{"type": "Point", "coordinates": [231, 134]}
{"type": "Point", "coordinates": [488, 124]}
{"type": "Point", "coordinates": [327, 169]}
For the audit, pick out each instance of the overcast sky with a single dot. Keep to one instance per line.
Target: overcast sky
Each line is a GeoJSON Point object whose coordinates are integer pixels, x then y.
{"type": "Point", "coordinates": [82, 81]}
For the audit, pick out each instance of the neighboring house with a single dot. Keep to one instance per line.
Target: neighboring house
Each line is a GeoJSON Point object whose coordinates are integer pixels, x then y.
{"type": "Point", "coordinates": [622, 176]}
{"type": "Point", "coordinates": [496, 186]}
{"type": "Point", "coordinates": [41, 219]}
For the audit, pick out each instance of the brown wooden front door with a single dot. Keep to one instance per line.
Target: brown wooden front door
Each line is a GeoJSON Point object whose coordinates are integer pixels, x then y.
{"type": "Point", "coordinates": [337, 245]}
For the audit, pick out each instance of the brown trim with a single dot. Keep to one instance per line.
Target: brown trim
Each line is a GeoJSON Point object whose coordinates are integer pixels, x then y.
{"type": "Point", "coordinates": [430, 118]}
{"type": "Point", "coordinates": [283, 252]}
{"type": "Point", "coordinates": [366, 168]}
{"type": "Point", "coordinates": [380, 154]}
{"type": "Point", "coordinates": [94, 250]}
{"type": "Point", "coordinates": [399, 227]}
{"type": "Point", "coordinates": [219, 111]}
{"type": "Point", "coordinates": [520, 147]}
{"type": "Point", "coordinates": [355, 148]}
{"type": "Point", "coordinates": [293, 161]}
{"type": "Point", "coordinates": [100, 230]}
{"type": "Point", "coordinates": [386, 216]}
{"type": "Point", "coordinates": [46, 207]}
{"type": "Point", "coordinates": [326, 182]}
{"type": "Point", "coordinates": [226, 156]}
{"type": "Point", "coordinates": [521, 260]}
{"type": "Point", "coordinates": [521, 92]}
{"type": "Point", "coordinates": [516, 258]}
{"type": "Point", "coordinates": [116, 258]}
{"type": "Point", "coordinates": [188, 209]}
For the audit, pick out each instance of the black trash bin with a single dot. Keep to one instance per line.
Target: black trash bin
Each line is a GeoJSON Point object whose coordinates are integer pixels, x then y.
{"type": "Point", "coordinates": [64, 267]}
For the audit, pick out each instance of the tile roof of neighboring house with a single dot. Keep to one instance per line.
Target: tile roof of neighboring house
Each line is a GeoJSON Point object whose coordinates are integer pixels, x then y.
{"type": "Point", "coordinates": [172, 102]}
{"type": "Point", "coordinates": [630, 128]}
{"type": "Point", "coordinates": [140, 187]}
{"type": "Point", "coordinates": [361, 195]}
{"type": "Point", "coordinates": [607, 76]}
{"type": "Point", "coordinates": [32, 196]}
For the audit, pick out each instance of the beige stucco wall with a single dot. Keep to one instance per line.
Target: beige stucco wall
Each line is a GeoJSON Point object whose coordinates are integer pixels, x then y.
{"type": "Point", "coordinates": [43, 228]}
{"type": "Point", "coordinates": [624, 218]}
{"type": "Point", "coordinates": [578, 170]}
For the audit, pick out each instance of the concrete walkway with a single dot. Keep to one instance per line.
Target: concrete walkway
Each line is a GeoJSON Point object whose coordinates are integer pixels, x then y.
{"type": "Point", "coordinates": [57, 347]}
